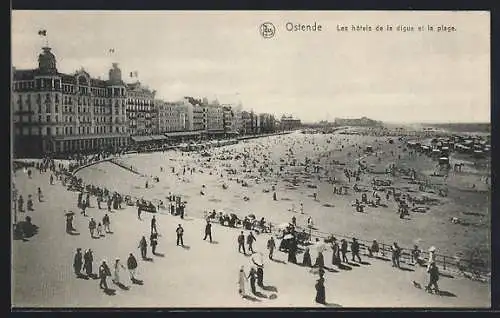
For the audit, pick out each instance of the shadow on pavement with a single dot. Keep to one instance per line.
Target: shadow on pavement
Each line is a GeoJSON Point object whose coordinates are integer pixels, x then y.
{"type": "Point", "coordinates": [446, 293]}
{"type": "Point", "coordinates": [364, 263]}
{"type": "Point", "coordinates": [123, 287]}
{"type": "Point", "coordinates": [81, 276]}
{"type": "Point", "coordinates": [353, 264]}
{"type": "Point", "coordinates": [137, 281]}
{"type": "Point", "coordinates": [214, 242]}
{"type": "Point", "coordinates": [186, 247]}
{"type": "Point", "coordinates": [278, 261]}
{"type": "Point", "coordinates": [270, 288]}
{"type": "Point", "coordinates": [345, 267]}
{"type": "Point", "coordinates": [331, 270]}
{"type": "Point", "coordinates": [73, 233]}
{"type": "Point", "coordinates": [147, 259]}
{"type": "Point", "coordinates": [406, 269]}
{"type": "Point", "coordinates": [159, 254]}
{"type": "Point", "coordinates": [332, 305]}
{"type": "Point", "coordinates": [110, 292]}
{"type": "Point", "coordinates": [248, 297]}
{"type": "Point", "coordinates": [260, 295]}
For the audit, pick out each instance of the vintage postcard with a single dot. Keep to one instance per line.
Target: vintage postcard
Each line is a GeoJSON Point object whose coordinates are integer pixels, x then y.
{"type": "Point", "coordinates": [183, 159]}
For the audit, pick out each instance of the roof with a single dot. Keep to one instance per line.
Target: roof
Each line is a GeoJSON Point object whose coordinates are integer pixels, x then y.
{"type": "Point", "coordinates": [23, 75]}
{"type": "Point", "coordinates": [158, 137]}
{"type": "Point", "coordinates": [141, 138]}
{"type": "Point", "coordinates": [182, 133]}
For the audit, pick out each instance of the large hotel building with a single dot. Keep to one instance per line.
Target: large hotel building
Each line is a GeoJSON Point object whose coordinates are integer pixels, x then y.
{"type": "Point", "coordinates": [61, 113]}
{"type": "Point", "coordinates": [57, 113]}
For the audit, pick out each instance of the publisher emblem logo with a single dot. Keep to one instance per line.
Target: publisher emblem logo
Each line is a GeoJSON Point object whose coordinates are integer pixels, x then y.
{"type": "Point", "coordinates": [267, 30]}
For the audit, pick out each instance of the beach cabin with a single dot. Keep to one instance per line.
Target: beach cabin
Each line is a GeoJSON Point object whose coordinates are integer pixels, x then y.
{"type": "Point", "coordinates": [444, 161]}
{"type": "Point", "coordinates": [478, 154]}
{"type": "Point", "coordinates": [435, 153]}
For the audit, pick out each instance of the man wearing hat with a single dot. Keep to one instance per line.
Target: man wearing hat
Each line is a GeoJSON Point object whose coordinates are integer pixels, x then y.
{"type": "Point", "coordinates": [78, 262]}
{"type": "Point", "coordinates": [355, 249]}
{"type": "Point", "coordinates": [132, 266]}
{"type": "Point", "coordinates": [180, 232]}
{"type": "Point", "coordinates": [104, 272]}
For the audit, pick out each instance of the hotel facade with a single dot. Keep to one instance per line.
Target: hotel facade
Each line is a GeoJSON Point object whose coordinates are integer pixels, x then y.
{"type": "Point", "coordinates": [62, 114]}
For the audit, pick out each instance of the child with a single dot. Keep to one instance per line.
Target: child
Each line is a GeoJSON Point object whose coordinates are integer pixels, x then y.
{"type": "Point", "coordinates": [99, 230]}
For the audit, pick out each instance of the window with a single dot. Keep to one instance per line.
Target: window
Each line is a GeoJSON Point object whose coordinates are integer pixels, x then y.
{"type": "Point", "coordinates": [48, 131]}
{"type": "Point", "coordinates": [47, 108]}
{"type": "Point", "coordinates": [57, 130]}
{"type": "Point", "coordinates": [57, 119]}
{"type": "Point", "coordinates": [39, 118]}
{"type": "Point", "coordinates": [48, 118]}
{"type": "Point", "coordinates": [57, 108]}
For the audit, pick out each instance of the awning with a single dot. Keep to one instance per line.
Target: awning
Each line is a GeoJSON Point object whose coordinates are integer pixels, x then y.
{"type": "Point", "coordinates": [183, 134]}
{"type": "Point", "coordinates": [141, 138]}
{"type": "Point", "coordinates": [158, 137]}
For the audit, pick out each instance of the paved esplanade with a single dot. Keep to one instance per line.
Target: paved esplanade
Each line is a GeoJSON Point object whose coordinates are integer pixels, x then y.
{"type": "Point", "coordinates": [202, 275]}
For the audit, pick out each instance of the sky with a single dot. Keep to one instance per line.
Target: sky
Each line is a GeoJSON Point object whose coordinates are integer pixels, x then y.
{"type": "Point", "coordinates": [394, 76]}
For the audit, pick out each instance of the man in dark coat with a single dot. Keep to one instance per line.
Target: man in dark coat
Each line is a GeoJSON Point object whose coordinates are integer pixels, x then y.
{"type": "Point", "coordinates": [104, 272]}
{"type": "Point", "coordinates": [208, 231]}
{"type": "Point", "coordinates": [320, 290]}
{"type": "Point", "coordinates": [131, 266]}
{"type": "Point", "coordinates": [78, 262]}
{"type": "Point", "coordinates": [153, 242]}
{"type": "Point", "coordinates": [250, 240]}
{"type": "Point", "coordinates": [180, 232]}
{"type": "Point", "coordinates": [433, 278]}
{"type": "Point", "coordinates": [88, 258]}
{"type": "Point", "coordinates": [271, 245]}
{"type": "Point", "coordinates": [143, 245]}
{"type": "Point", "coordinates": [355, 249]}
{"type": "Point", "coordinates": [241, 242]}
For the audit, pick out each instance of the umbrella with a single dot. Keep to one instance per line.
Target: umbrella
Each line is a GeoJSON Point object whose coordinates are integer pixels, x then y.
{"type": "Point", "coordinates": [252, 216]}
{"type": "Point", "coordinates": [288, 236]}
{"type": "Point", "coordinates": [320, 247]}
{"type": "Point", "coordinates": [69, 213]}
{"type": "Point", "coordinates": [432, 249]}
{"type": "Point", "coordinates": [258, 259]}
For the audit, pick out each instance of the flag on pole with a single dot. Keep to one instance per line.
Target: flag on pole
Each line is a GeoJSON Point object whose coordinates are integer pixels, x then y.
{"type": "Point", "coordinates": [42, 32]}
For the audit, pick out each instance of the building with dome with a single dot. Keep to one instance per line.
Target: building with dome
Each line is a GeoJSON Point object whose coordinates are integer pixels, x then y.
{"type": "Point", "coordinates": [57, 113]}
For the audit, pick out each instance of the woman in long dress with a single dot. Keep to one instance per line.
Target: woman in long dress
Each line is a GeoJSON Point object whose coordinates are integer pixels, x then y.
{"type": "Point", "coordinates": [242, 278]}
{"type": "Point", "coordinates": [306, 261]}
{"type": "Point", "coordinates": [116, 273]}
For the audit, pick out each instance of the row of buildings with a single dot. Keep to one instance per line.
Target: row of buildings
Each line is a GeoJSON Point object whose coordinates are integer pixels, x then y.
{"type": "Point", "coordinates": [55, 113]}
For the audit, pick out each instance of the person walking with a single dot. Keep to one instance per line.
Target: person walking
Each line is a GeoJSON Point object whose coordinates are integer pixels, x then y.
{"type": "Point", "coordinates": [242, 279]}
{"type": "Point", "coordinates": [252, 276]}
{"type": "Point", "coordinates": [116, 272]}
{"type": "Point", "coordinates": [250, 240]}
{"type": "Point", "coordinates": [153, 239]}
{"type": "Point", "coordinates": [343, 250]}
{"type": "Point", "coordinates": [153, 225]}
{"type": "Point", "coordinates": [335, 252]}
{"type": "Point", "coordinates": [104, 272]}
{"type": "Point", "coordinates": [99, 230]}
{"type": "Point", "coordinates": [88, 258]}
{"type": "Point", "coordinates": [78, 262]}
{"type": "Point", "coordinates": [180, 232]}
{"type": "Point", "coordinates": [271, 245]}
{"type": "Point", "coordinates": [106, 222]}
{"type": "Point", "coordinates": [92, 227]}
{"type": "Point", "coordinates": [355, 249]}
{"type": "Point", "coordinates": [208, 231]}
{"type": "Point", "coordinates": [320, 261]}
{"type": "Point", "coordinates": [241, 243]}
{"type": "Point", "coordinates": [143, 245]}
{"type": "Point", "coordinates": [433, 278]}
{"type": "Point", "coordinates": [396, 253]}
{"type": "Point", "coordinates": [306, 260]}
{"type": "Point", "coordinates": [20, 203]}
{"type": "Point", "coordinates": [69, 223]}
{"type": "Point", "coordinates": [39, 191]}
{"type": "Point", "coordinates": [132, 266]}
{"type": "Point", "coordinates": [320, 290]}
